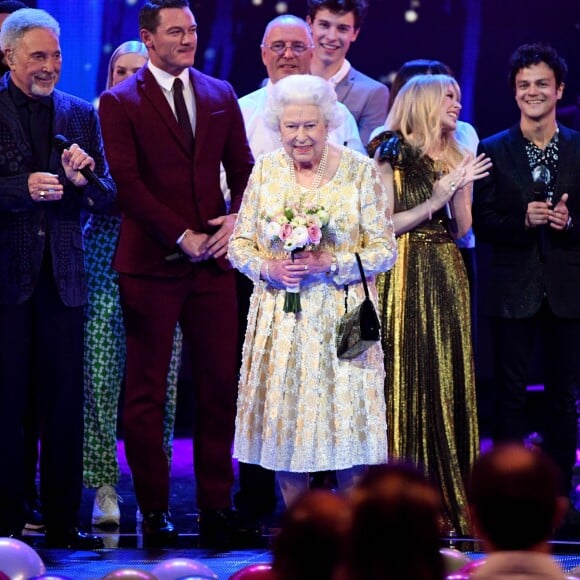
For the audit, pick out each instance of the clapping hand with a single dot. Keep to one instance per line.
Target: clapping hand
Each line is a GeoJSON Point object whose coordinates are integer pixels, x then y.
{"type": "Point", "coordinates": [469, 170]}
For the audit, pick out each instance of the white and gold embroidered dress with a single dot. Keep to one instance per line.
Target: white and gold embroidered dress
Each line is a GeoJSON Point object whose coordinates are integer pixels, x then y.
{"type": "Point", "coordinates": [300, 408]}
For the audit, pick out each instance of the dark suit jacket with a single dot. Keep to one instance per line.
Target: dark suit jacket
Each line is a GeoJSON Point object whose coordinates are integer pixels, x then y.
{"type": "Point", "coordinates": [25, 223]}
{"type": "Point", "coordinates": [519, 279]}
{"type": "Point", "coordinates": [367, 100]}
{"type": "Point", "coordinates": [148, 154]}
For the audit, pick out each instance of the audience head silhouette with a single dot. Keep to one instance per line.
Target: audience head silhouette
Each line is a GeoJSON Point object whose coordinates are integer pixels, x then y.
{"type": "Point", "coordinates": [514, 496]}
{"type": "Point", "coordinates": [395, 527]}
{"type": "Point", "coordinates": [311, 537]}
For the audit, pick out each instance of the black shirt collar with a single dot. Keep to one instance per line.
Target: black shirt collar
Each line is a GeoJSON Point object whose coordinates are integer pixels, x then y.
{"type": "Point", "coordinates": [22, 100]}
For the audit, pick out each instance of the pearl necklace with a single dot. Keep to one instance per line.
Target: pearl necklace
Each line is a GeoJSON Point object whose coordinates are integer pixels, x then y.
{"type": "Point", "coordinates": [319, 172]}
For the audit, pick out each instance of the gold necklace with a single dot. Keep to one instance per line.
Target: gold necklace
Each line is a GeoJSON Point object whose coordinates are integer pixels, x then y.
{"type": "Point", "coordinates": [319, 172]}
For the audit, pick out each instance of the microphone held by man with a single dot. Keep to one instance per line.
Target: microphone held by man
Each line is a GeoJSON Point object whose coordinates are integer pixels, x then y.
{"type": "Point", "coordinates": [541, 178]}
{"type": "Point", "coordinates": [60, 143]}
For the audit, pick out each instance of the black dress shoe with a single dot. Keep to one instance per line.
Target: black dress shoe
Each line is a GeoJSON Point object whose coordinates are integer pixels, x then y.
{"type": "Point", "coordinates": [72, 539]}
{"type": "Point", "coordinates": [216, 528]}
{"type": "Point", "coordinates": [158, 529]}
{"type": "Point", "coordinates": [223, 529]}
{"type": "Point", "coordinates": [34, 516]}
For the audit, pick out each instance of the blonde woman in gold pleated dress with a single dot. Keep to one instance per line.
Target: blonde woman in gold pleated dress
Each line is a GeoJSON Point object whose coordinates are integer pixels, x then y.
{"type": "Point", "coordinates": [430, 384]}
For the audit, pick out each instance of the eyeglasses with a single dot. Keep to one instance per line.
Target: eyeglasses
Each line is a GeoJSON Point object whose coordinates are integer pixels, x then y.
{"type": "Point", "coordinates": [280, 47]}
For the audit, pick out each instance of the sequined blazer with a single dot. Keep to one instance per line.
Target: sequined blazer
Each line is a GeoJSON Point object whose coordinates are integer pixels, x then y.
{"type": "Point", "coordinates": [27, 226]}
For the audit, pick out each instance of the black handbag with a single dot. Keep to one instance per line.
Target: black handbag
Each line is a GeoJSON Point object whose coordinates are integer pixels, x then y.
{"type": "Point", "coordinates": [358, 329]}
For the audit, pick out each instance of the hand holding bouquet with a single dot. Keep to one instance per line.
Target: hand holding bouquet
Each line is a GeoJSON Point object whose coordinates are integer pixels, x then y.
{"type": "Point", "coordinates": [297, 229]}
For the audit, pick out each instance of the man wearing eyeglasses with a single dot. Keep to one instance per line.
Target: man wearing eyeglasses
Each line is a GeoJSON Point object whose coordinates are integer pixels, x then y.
{"type": "Point", "coordinates": [287, 50]}
{"type": "Point", "coordinates": [335, 26]}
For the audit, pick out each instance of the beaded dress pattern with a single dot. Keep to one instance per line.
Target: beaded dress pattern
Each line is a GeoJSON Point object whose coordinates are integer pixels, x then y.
{"type": "Point", "coordinates": [300, 408]}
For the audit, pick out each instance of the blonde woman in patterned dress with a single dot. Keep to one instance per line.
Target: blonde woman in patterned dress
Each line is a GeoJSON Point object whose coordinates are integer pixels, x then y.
{"type": "Point", "coordinates": [430, 382]}
{"type": "Point", "coordinates": [300, 408]}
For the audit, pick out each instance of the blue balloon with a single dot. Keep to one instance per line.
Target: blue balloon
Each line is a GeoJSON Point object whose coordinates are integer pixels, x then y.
{"type": "Point", "coordinates": [19, 560]}
{"type": "Point", "coordinates": [51, 577]}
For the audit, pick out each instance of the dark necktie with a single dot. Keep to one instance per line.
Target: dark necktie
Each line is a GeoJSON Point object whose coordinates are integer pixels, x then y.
{"type": "Point", "coordinates": [181, 111]}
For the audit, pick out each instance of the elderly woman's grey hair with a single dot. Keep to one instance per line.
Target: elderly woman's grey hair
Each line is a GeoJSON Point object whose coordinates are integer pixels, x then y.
{"type": "Point", "coordinates": [303, 90]}
{"type": "Point", "coordinates": [24, 20]}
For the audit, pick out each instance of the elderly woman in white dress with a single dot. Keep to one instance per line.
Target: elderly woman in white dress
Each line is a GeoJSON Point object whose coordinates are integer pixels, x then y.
{"type": "Point", "coordinates": [309, 206]}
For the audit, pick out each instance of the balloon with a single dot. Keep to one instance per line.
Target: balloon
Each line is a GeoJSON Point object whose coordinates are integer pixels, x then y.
{"type": "Point", "coordinates": [453, 559]}
{"type": "Point", "coordinates": [180, 568]}
{"type": "Point", "coordinates": [18, 560]}
{"type": "Point", "coordinates": [465, 572]}
{"type": "Point", "coordinates": [253, 572]}
{"type": "Point", "coordinates": [51, 577]}
{"type": "Point", "coordinates": [128, 574]}
{"type": "Point", "coordinates": [3, 576]}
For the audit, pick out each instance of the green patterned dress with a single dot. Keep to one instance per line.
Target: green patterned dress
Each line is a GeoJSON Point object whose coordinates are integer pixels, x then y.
{"type": "Point", "coordinates": [104, 360]}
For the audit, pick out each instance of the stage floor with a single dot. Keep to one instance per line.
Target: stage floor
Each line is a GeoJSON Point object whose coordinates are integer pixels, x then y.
{"type": "Point", "coordinates": [124, 545]}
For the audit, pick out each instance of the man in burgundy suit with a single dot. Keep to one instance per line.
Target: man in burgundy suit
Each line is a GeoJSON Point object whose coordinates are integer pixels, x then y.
{"type": "Point", "coordinates": [165, 143]}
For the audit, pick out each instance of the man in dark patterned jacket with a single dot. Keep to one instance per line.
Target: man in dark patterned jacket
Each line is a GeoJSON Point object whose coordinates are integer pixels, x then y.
{"type": "Point", "coordinates": [42, 280]}
{"type": "Point", "coordinates": [528, 211]}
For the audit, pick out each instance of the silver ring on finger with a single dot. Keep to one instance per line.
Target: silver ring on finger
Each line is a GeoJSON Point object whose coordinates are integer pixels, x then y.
{"type": "Point", "coordinates": [42, 194]}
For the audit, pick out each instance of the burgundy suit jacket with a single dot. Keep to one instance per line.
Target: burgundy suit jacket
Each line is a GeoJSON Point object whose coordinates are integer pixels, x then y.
{"type": "Point", "coordinates": [163, 188]}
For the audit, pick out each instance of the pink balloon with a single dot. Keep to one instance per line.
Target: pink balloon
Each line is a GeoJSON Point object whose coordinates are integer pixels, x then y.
{"type": "Point", "coordinates": [253, 571]}
{"type": "Point", "coordinates": [178, 568]}
{"type": "Point", "coordinates": [3, 576]}
{"type": "Point", "coordinates": [466, 571]}
{"type": "Point", "coordinates": [19, 560]}
{"type": "Point", "coordinates": [453, 559]}
{"type": "Point", "coordinates": [128, 574]}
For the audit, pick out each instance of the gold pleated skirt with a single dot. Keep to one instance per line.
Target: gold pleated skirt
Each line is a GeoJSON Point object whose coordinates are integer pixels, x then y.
{"type": "Point", "coordinates": [430, 384]}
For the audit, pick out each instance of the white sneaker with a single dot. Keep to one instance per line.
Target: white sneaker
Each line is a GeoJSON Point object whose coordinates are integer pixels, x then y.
{"type": "Point", "coordinates": [106, 507]}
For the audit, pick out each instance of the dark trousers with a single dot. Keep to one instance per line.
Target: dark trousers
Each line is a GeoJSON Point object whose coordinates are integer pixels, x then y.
{"type": "Point", "coordinates": [513, 343]}
{"type": "Point", "coordinates": [257, 494]}
{"type": "Point", "coordinates": [41, 351]}
{"type": "Point", "coordinates": [204, 303]}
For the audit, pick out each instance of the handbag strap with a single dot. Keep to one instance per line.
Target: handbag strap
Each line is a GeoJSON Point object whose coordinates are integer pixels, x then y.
{"type": "Point", "coordinates": [363, 279]}
{"type": "Point", "coordinates": [362, 274]}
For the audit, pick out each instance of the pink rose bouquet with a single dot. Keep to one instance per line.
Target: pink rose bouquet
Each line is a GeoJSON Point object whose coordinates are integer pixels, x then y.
{"type": "Point", "coordinates": [297, 229]}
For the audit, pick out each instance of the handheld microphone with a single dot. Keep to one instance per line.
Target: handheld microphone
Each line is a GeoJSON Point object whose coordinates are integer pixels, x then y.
{"type": "Point", "coordinates": [60, 143]}
{"type": "Point", "coordinates": [440, 170]}
{"type": "Point", "coordinates": [541, 178]}
{"type": "Point", "coordinates": [450, 213]}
